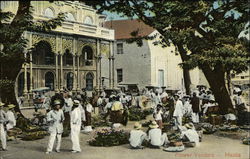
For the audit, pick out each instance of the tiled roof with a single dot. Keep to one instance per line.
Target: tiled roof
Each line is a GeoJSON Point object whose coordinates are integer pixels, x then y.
{"type": "Point", "coordinates": [123, 28]}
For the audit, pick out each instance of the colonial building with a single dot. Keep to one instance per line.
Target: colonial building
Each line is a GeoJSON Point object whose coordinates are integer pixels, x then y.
{"type": "Point", "coordinates": [149, 65]}
{"type": "Point", "coordinates": [70, 56]}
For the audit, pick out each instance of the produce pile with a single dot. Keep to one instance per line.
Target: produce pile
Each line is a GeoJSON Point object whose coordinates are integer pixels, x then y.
{"type": "Point", "coordinates": [109, 137]}
{"type": "Point", "coordinates": [136, 114]}
{"type": "Point", "coordinates": [98, 121]}
{"type": "Point", "coordinates": [28, 131]}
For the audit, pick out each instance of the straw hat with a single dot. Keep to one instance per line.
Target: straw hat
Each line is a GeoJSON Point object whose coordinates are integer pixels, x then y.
{"type": "Point", "coordinates": [137, 126]}
{"type": "Point", "coordinates": [10, 106]}
{"type": "Point", "coordinates": [1, 104]}
{"type": "Point", "coordinates": [153, 125]}
{"type": "Point", "coordinates": [76, 102]}
{"type": "Point", "coordinates": [189, 125]}
{"type": "Point", "coordinates": [57, 102]}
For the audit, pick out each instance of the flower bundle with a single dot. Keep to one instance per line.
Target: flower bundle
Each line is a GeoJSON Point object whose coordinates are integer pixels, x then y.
{"type": "Point", "coordinates": [109, 137]}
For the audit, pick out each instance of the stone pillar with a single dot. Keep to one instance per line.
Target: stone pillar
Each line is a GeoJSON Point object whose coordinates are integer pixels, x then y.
{"type": "Point", "coordinates": [25, 90]}
{"type": "Point", "coordinates": [61, 72]}
{"type": "Point", "coordinates": [110, 64]}
{"type": "Point", "coordinates": [78, 72]}
{"type": "Point", "coordinates": [97, 63]}
{"type": "Point", "coordinates": [74, 70]}
{"type": "Point", "coordinates": [31, 73]}
{"type": "Point", "coordinates": [113, 67]}
{"type": "Point", "coordinates": [57, 81]}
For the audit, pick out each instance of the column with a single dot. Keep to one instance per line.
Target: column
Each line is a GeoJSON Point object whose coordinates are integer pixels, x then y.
{"type": "Point", "coordinates": [74, 70]}
{"type": "Point", "coordinates": [31, 73]}
{"type": "Point", "coordinates": [57, 81]}
{"type": "Point", "coordinates": [110, 64]}
{"type": "Point", "coordinates": [113, 67]}
{"type": "Point", "coordinates": [78, 72]}
{"type": "Point", "coordinates": [25, 90]}
{"type": "Point", "coordinates": [61, 71]}
{"type": "Point", "coordinates": [97, 63]}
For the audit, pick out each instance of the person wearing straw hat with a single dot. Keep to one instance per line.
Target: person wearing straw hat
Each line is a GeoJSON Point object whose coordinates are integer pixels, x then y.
{"type": "Point", "coordinates": [55, 117]}
{"type": "Point", "coordinates": [137, 136]}
{"type": "Point", "coordinates": [75, 124]}
{"type": "Point", "coordinates": [156, 137]}
{"type": "Point", "coordinates": [3, 122]}
{"type": "Point", "coordinates": [190, 134]}
{"type": "Point", "coordinates": [11, 117]}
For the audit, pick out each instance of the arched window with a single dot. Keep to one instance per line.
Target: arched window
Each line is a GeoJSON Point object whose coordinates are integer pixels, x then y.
{"type": "Point", "coordinates": [68, 58]}
{"type": "Point", "coordinates": [87, 56]}
{"type": "Point", "coordinates": [70, 17]}
{"type": "Point", "coordinates": [49, 13]}
{"type": "Point", "coordinates": [70, 80]}
{"type": "Point", "coordinates": [42, 54]}
{"type": "Point", "coordinates": [89, 82]}
{"type": "Point", "coordinates": [49, 80]}
{"type": "Point", "coordinates": [88, 20]}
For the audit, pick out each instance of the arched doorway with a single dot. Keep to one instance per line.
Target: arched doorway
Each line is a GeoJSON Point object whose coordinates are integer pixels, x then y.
{"type": "Point", "coordinates": [20, 83]}
{"type": "Point", "coordinates": [87, 56]}
{"type": "Point", "coordinates": [42, 54]}
{"type": "Point", "coordinates": [49, 80]}
{"type": "Point", "coordinates": [89, 81]}
{"type": "Point", "coordinates": [70, 80]}
{"type": "Point", "coordinates": [67, 58]}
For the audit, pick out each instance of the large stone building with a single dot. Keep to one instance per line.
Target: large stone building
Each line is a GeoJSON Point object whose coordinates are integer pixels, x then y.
{"type": "Point", "coordinates": [70, 56]}
{"type": "Point", "coordinates": [149, 65]}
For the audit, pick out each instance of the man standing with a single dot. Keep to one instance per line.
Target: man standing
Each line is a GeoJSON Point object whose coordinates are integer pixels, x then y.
{"type": "Point", "coordinates": [3, 121]}
{"type": "Point", "coordinates": [178, 111]}
{"type": "Point", "coordinates": [55, 117]}
{"type": "Point", "coordinates": [195, 102]}
{"type": "Point", "coordinates": [75, 124]}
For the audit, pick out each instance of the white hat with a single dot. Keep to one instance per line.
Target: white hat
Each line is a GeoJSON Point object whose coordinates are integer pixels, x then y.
{"type": "Point", "coordinates": [1, 104]}
{"type": "Point", "coordinates": [76, 102]}
{"type": "Point", "coordinates": [153, 125]}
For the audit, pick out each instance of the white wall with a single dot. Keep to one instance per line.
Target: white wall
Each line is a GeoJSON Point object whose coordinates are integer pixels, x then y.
{"type": "Point", "coordinates": [135, 63]}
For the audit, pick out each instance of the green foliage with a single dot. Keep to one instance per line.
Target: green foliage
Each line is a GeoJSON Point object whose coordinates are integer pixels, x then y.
{"type": "Point", "coordinates": [109, 137]}
{"type": "Point", "coordinates": [136, 114]}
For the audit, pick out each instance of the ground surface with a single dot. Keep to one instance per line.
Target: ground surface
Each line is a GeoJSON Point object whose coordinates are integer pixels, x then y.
{"type": "Point", "coordinates": [212, 147]}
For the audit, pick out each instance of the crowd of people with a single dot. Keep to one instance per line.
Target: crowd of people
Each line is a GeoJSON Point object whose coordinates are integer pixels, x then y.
{"type": "Point", "coordinates": [68, 113]}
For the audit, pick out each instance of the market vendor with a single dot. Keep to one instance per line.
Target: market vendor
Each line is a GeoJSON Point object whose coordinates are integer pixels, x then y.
{"type": "Point", "coordinates": [137, 136]}
{"type": "Point", "coordinates": [11, 117]}
{"type": "Point", "coordinates": [190, 134]}
{"type": "Point", "coordinates": [88, 110]}
{"type": "Point", "coordinates": [116, 111]}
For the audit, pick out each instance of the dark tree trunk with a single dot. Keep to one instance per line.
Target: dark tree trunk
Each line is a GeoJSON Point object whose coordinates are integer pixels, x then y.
{"type": "Point", "coordinates": [9, 73]}
{"type": "Point", "coordinates": [186, 74]}
{"type": "Point", "coordinates": [216, 80]}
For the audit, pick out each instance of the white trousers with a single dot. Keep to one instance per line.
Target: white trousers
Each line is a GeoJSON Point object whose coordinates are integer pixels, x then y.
{"type": "Point", "coordinates": [195, 117]}
{"type": "Point", "coordinates": [75, 134]}
{"type": "Point", "coordinates": [178, 120]}
{"type": "Point", "coordinates": [164, 139]}
{"type": "Point", "coordinates": [3, 136]}
{"type": "Point", "coordinates": [52, 138]}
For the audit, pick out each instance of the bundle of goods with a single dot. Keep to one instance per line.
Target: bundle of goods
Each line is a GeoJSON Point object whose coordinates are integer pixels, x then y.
{"type": "Point", "coordinates": [229, 128]}
{"type": "Point", "coordinates": [29, 131]}
{"type": "Point", "coordinates": [208, 128]}
{"type": "Point", "coordinates": [215, 119]}
{"type": "Point", "coordinates": [109, 137]}
{"type": "Point", "coordinates": [98, 121]}
{"type": "Point", "coordinates": [246, 140]}
{"type": "Point", "coordinates": [136, 114]}
{"type": "Point", "coordinates": [146, 123]}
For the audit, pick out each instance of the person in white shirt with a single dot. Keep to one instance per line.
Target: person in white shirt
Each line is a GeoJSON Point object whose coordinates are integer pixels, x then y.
{"type": "Point", "coordinates": [75, 125]}
{"type": "Point", "coordinates": [156, 137]}
{"type": "Point", "coordinates": [158, 115]}
{"type": "Point", "coordinates": [137, 136]}
{"type": "Point", "coordinates": [178, 111]}
{"type": "Point", "coordinates": [11, 117]}
{"type": "Point", "coordinates": [100, 104]}
{"type": "Point", "coordinates": [88, 110]}
{"type": "Point", "coordinates": [55, 118]}
{"type": "Point", "coordinates": [190, 134]}
{"type": "Point", "coordinates": [3, 121]}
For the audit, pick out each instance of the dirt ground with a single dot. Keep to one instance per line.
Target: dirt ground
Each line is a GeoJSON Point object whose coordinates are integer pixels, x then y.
{"type": "Point", "coordinates": [212, 147]}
